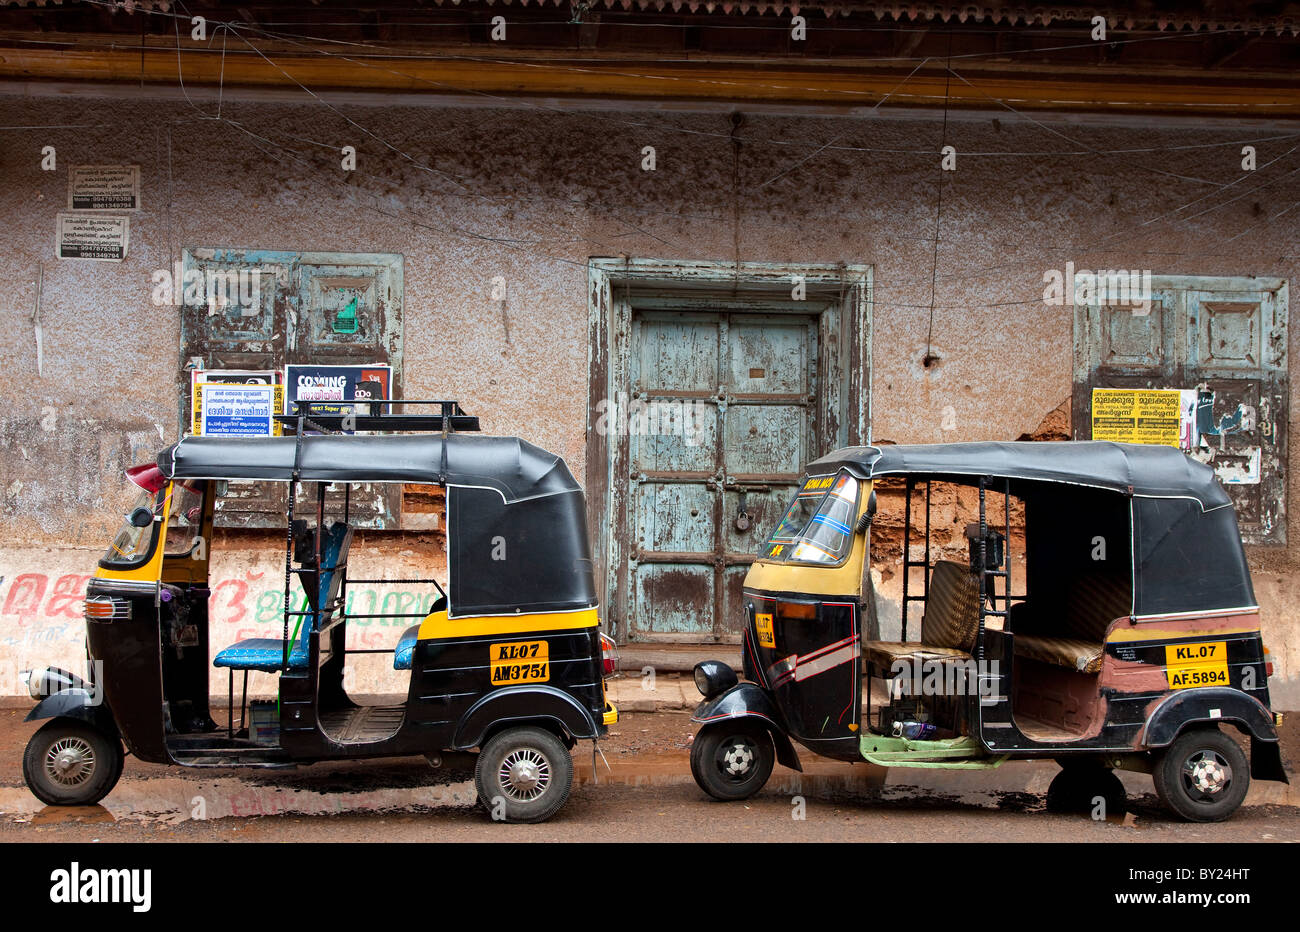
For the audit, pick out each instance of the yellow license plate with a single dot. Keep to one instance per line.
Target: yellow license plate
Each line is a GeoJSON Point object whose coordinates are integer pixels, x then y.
{"type": "Point", "coordinates": [766, 637]}
{"type": "Point", "coordinates": [520, 662]}
{"type": "Point", "coordinates": [1197, 664]}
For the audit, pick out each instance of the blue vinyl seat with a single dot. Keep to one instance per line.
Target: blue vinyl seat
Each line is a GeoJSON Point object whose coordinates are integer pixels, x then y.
{"type": "Point", "coordinates": [405, 653]}
{"type": "Point", "coordinates": [321, 587]}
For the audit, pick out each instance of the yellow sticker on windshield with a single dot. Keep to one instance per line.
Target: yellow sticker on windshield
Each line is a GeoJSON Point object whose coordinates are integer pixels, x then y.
{"type": "Point", "coordinates": [520, 662]}
{"type": "Point", "coordinates": [766, 636]}
{"type": "Point", "coordinates": [1197, 664]}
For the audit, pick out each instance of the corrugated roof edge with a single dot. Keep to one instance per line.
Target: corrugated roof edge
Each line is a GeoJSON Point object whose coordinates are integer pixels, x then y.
{"type": "Point", "coordinates": [1286, 20]}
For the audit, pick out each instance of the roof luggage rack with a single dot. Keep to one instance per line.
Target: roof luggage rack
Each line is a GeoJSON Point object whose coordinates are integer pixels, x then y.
{"type": "Point", "coordinates": [327, 417]}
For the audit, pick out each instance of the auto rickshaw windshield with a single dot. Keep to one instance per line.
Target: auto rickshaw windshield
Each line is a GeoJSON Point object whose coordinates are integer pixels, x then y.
{"type": "Point", "coordinates": [133, 545]}
{"type": "Point", "coordinates": [818, 526]}
{"type": "Point", "coordinates": [182, 502]}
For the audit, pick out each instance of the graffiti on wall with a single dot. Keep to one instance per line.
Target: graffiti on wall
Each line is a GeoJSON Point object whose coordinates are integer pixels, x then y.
{"type": "Point", "coordinates": [41, 619]}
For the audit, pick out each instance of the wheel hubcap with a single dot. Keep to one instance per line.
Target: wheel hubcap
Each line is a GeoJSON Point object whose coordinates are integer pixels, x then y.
{"type": "Point", "coordinates": [70, 761]}
{"type": "Point", "coordinates": [736, 758]}
{"type": "Point", "coordinates": [1206, 774]}
{"type": "Point", "coordinates": [525, 774]}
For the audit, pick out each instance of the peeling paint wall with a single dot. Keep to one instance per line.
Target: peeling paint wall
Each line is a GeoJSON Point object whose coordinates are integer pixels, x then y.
{"type": "Point", "coordinates": [529, 194]}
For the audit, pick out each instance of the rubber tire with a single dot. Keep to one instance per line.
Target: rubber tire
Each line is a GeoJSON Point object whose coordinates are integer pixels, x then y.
{"type": "Point", "coordinates": [1167, 775]}
{"type": "Point", "coordinates": [503, 743]}
{"type": "Point", "coordinates": [1076, 788]}
{"type": "Point", "coordinates": [109, 759]}
{"type": "Point", "coordinates": [711, 740]}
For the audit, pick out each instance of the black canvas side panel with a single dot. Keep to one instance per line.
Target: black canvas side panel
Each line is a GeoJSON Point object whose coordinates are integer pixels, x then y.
{"type": "Point", "coordinates": [1188, 560]}
{"type": "Point", "coordinates": [528, 556]}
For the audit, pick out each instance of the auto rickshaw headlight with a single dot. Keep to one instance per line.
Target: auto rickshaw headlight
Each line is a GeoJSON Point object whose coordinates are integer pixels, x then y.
{"type": "Point", "coordinates": [713, 678]}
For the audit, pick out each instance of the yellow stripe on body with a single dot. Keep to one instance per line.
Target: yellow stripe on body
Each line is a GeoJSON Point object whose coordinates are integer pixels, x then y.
{"type": "Point", "coordinates": [1152, 631]}
{"type": "Point", "coordinates": [437, 625]}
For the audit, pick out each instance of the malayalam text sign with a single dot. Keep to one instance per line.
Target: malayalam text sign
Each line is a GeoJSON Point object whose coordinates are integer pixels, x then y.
{"type": "Point", "coordinates": [104, 187]}
{"type": "Point", "coordinates": [265, 379]}
{"type": "Point", "coordinates": [234, 410]}
{"type": "Point", "coordinates": [1138, 415]}
{"type": "Point", "coordinates": [104, 239]}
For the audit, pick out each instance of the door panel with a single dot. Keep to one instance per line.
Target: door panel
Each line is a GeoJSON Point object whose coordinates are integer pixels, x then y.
{"type": "Point", "coordinates": [676, 354]}
{"type": "Point", "coordinates": [701, 505]}
{"type": "Point", "coordinates": [668, 597]}
{"type": "Point", "coordinates": [242, 335]}
{"type": "Point", "coordinates": [674, 452]}
{"type": "Point", "coordinates": [765, 439]}
{"type": "Point", "coordinates": [674, 517]}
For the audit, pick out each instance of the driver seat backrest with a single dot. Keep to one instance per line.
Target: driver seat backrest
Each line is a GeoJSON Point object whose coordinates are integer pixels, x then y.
{"type": "Point", "coordinates": [322, 583]}
{"type": "Point", "coordinates": [952, 607]}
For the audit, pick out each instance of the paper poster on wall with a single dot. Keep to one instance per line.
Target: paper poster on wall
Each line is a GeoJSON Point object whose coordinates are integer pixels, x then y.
{"type": "Point", "coordinates": [235, 402]}
{"type": "Point", "coordinates": [81, 236]}
{"type": "Point", "coordinates": [335, 383]}
{"type": "Point", "coordinates": [237, 410]}
{"type": "Point", "coordinates": [104, 187]}
{"type": "Point", "coordinates": [1163, 416]}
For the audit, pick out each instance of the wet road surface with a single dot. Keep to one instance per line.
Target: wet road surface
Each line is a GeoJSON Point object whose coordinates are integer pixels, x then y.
{"type": "Point", "coordinates": [644, 793]}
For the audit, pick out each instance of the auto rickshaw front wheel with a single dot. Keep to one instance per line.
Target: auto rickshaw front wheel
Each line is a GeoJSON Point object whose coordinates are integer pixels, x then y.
{"type": "Point", "coordinates": [733, 760]}
{"type": "Point", "coordinates": [70, 763]}
{"type": "Point", "coordinates": [1202, 776]}
{"type": "Point", "coordinates": [523, 775]}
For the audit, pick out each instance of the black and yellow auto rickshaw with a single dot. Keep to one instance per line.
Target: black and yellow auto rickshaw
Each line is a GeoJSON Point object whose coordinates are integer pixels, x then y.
{"type": "Point", "coordinates": [1123, 634]}
{"type": "Point", "coordinates": [510, 660]}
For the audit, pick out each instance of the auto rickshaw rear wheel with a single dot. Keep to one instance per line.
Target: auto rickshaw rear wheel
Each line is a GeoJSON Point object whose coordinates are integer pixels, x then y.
{"type": "Point", "coordinates": [732, 760]}
{"type": "Point", "coordinates": [1202, 776]}
{"type": "Point", "coordinates": [1084, 785]}
{"type": "Point", "coordinates": [523, 774]}
{"type": "Point", "coordinates": [70, 763]}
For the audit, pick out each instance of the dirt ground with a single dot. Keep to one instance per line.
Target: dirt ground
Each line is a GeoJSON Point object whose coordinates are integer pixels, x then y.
{"type": "Point", "coordinates": [642, 791]}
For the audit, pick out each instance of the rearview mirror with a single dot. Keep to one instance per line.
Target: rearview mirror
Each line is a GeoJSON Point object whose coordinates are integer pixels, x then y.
{"type": "Point", "coordinates": [865, 520]}
{"type": "Point", "coordinates": [140, 517]}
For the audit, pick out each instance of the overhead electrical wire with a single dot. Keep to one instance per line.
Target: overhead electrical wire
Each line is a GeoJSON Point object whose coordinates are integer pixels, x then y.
{"type": "Point", "coordinates": [234, 28]}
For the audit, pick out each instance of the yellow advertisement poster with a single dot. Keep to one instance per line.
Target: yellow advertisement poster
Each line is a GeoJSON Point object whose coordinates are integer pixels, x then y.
{"type": "Point", "coordinates": [234, 403]}
{"type": "Point", "coordinates": [1138, 415]}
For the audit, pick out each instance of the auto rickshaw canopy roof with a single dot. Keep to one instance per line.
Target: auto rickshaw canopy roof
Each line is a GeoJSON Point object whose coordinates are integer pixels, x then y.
{"type": "Point", "coordinates": [516, 469]}
{"type": "Point", "coordinates": [1142, 470]}
{"type": "Point", "coordinates": [1184, 546]}
{"type": "Point", "coordinates": [503, 495]}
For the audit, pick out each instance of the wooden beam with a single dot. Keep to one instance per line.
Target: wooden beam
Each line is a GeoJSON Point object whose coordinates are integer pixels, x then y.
{"type": "Point", "coordinates": [743, 82]}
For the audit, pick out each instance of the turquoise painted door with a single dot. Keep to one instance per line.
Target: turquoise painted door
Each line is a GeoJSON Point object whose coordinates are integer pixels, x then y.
{"type": "Point", "coordinates": [705, 489]}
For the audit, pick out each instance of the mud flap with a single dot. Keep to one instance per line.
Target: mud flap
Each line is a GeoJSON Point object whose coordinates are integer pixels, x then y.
{"type": "Point", "coordinates": [785, 752]}
{"type": "Point", "coordinates": [1266, 761]}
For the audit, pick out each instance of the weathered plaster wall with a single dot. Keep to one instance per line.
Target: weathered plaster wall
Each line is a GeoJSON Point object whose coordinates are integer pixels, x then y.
{"type": "Point", "coordinates": [530, 194]}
